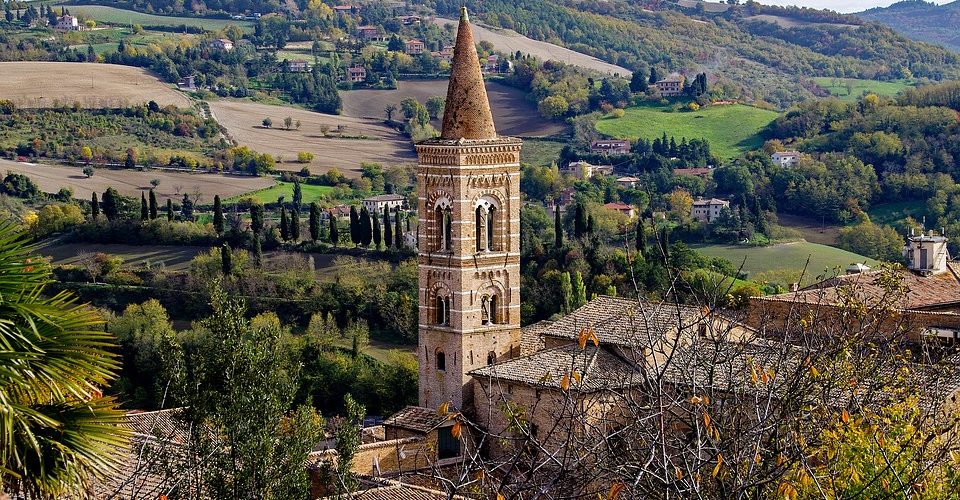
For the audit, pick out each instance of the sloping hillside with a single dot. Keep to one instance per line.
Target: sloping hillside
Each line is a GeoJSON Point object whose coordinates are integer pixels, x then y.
{"type": "Point", "coordinates": [922, 21]}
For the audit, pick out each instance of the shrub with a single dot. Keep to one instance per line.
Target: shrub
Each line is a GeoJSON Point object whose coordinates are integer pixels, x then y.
{"type": "Point", "coordinates": [305, 157]}
{"type": "Point", "coordinates": [618, 113]}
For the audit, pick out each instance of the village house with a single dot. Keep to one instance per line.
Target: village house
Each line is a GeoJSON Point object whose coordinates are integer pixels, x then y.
{"type": "Point", "coordinates": [187, 83]}
{"type": "Point", "coordinates": [221, 44]}
{"type": "Point", "coordinates": [389, 201]}
{"type": "Point", "coordinates": [671, 85]}
{"type": "Point", "coordinates": [445, 54]}
{"type": "Point", "coordinates": [785, 158]}
{"type": "Point", "coordinates": [410, 20]}
{"type": "Point", "coordinates": [583, 170]}
{"type": "Point", "coordinates": [370, 34]}
{"type": "Point", "coordinates": [67, 23]}
{"type": "Point", "coordinates": [623, 208]}
{"type": "Point", "coordinates": [707, 210]}
{"type": "Point", "coordinates": [627, 182]}
{"type": "Point", "coordinates": [357, 74]}
{"type": "Point", "coordinates": [414, 47]}
{"type": "Point", "coordinates": [610, 147]}
{"type": "Point", "coordinates": [298, 65]}
{"type": "Point", "coordinates": [346, 9]}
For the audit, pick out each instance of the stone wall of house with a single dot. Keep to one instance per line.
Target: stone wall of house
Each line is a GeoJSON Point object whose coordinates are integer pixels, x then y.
{"type": "Point", "coordinates": [392, 456]}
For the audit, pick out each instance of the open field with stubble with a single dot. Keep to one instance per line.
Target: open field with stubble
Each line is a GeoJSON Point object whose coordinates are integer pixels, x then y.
{"type": "Point", "coordinates": [47, 84]}
{"type": "Point", "coordinates": [243, 120]}
{"type": "Point", "coordinates": [113, 15]}
{"type": "Point", "coordinates": [513, 114]}
{"type": "Point", "coordinates": [50, 178]}
{"type": "Point", "coordinates": [510, 41]}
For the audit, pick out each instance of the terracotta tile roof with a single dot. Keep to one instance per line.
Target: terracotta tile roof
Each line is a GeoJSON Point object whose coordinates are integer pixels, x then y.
{"type": "Point", "coordinates": [624, 322]}
{"type": "Point", "coordinates": [416, 418]}
{"type": "Point", "coordinates": [531, 336]}
{"type": "Point", "coordinates": [598, 367]}
{"type": "Point", "coordinates": [386, 489]}
{"type": "Point", "coordinates": [922, 292]}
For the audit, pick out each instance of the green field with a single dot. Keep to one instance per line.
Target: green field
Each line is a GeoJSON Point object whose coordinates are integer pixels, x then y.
{"type": "Point", "coordinates": [784, 262]}
{"type": "Point", "coordinates": [730, 129]}
{"type": "Point", "coordinates": [540, 152]}
{"type": "Point", "coordinates": [891, 213]}
{"type": "Point", "coordinates": [838, 87]}
{"type": "Point", "coordinates": [311, 193]}
{"type": "Point", "coordinates": [111, 15]}
{"type": "Point", "coordinates": [107, 40]}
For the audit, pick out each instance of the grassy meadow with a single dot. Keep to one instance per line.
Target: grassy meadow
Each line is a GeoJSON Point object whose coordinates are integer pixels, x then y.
{"type": "Point", "coordinates": [785, 262]}
{"type": "Point", "coordinates": [311, 193]}
{"type": "Point", "coordinates": [730, 129]}
{"type": "Point", "coordinates": [838, 87]}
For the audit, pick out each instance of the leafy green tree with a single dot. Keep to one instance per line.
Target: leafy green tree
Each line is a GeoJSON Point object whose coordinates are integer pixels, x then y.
{"type": "Point", "coordinates": [151, 353]}
{"type": "Point", "coordinates": [877, 242]}
{"type": "Point", "coordinates": [240, 379]}
{"type": "Point", "coordinates": [566, 293]}
{"type": "Point", "coordinates": [218, 221]}
{"type": "Point", "coordinates": [111, 204]}
{"type": "Point", "coordinates": [314, 221]}
{"type": "Point", "coordinates": [579, 291]}
{"type": "Point", "coordinates": [267, 122]}
{"type": "Point", "coordinates": [348, 440]}
{"type": "Point", "coordinates": [435, 105]}
{"type": "Point", "coordinates": [88, 171]}
{"type": "Point", "coordinates": [638, 82]}
{"type": "Point", "coordinates": [56, 431]}
{"type": "Point", "coordinates": [153, 205]}
{"type": "Point", "coordinates": [284, 225]}
{"type": "Point", "coordinates": [144, 210]}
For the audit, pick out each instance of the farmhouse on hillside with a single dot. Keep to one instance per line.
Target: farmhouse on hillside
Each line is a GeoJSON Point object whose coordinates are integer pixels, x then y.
{"type": "Point", "coordinates": [671, 85]}
{"type": "Point", "coordinates": [414, 47]}
{"type": "Point", "coordinates": [221, 44]}
{"type": "Point", "coordinates": [357, 74]}
{"type": "Point", "coordinates": [67, 23]}
{"type": "Point", "coordinates": [610, 147]}
{"type": "Point", "coordinates": [785, 158]}
{"type": "Point", "coordinates": [707, 210]}
{"type": "Point", "coordinates": [388, 201]}
{"type": "Point", "coordinates": [584, 170]}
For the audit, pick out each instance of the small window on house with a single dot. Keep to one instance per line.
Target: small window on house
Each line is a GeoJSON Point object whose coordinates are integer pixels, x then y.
{"type": "Point", "coordinates": [441, 361]}
{"type": "Point", "coordinates": [447, 445]}
{"type": "Point", "coordinates": [491, 358]}
{"type": "Point", "coordinates": [702, 329]}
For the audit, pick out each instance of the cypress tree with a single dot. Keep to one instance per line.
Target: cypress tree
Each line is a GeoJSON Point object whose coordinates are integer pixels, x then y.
{"type": "Point", "coordinates": [144, 212]}
{"type": "Point", "coordinates": [579, 290]}
{"type": "Point", "coordinates": [297, 194]}
{"type": "Point", "coordinates": [226, 259]}
{"type": "Point", "coordinates": [295, 223]}
{"type": "Point", "coordinates": [366, 231]}
{"type": "Point", "coordinates": [94, 207]}
{"type": "Point", "coordinates": [641, 242]}
{"type": "Point", "coordinates": [284, 225]}
{"type": "Point", "coordinates": [354, 226]}
{"type": "Point", "coordinates": [109, 206]}
{"type": "Point", "coordinates": [579, 221]}
{"type": "Point", "coordinates": [153, 205]}
{"type": "Point", "coordinates": [377, 235]}
{"type": "Point", "coordinates": [169, 210]}
{"type": "Point", "coordinates": [557, 228]}
{"type": "Point", "coordinates": [217, 214]}
{"type": "Point", "coordinates": [590, 225]}
{"type": "Point", "coordinates": [256, 218]}
{"type": "Point", "coordinates": [257, 251]}
{"type": "Point", "coordinates": [566, 293]}
{"type": "Point", "coordinates": [334, 231]}
{"type": "Point", "coordinates": [314, 221]}
{"type": "Point", "coordinates": [387, 228]}
{"type": "Point", "coordinates": [654, 76]}
{"type": "Point", "coordinates": [398, 234]}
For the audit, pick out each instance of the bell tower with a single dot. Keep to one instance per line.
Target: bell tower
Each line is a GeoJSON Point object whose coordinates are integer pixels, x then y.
{"type": "Point", "coordinates": [468, 187]}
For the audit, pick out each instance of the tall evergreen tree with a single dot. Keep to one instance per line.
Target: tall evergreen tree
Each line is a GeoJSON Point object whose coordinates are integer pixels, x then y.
{"type": "Point", "coordinates": [297, 194]}
{"type": "Point", "coordinates": [641, 242]}
{"type": "Point", "coordinates": [334, 231]}
{"type": "Point", "coordinates": [153, 205]}
{"type": "Point", "coordinates": [377, 233]}
{"type": "Point", "coordinates": [387, 228]}
{"type": "Point", "coordinates": [218, 222]}
{"type": "Point", "coordinates": [590, 224]}
{"type": "Point", "coordinates": [110, 204]}
{"type": "Point", "coordinates": [186, 208]}
{"type": "Point", "coordinates": [397, 233]}
{"type": "Point", "coordinates": [284, 225]}
{"type": "Point", "coordinates": [654, 76]}
{"type": "Point", "coordinates": [94, 207]}
{"type": "Point", "coordinates": [366, 230]}
{"type": "Point", "coordinates": [579, 221]}
{"type": "Point", "coordinates": [257, 251]}
{"type": "Point", "coordinates": [314, 221]}
{"type": "Point", "coordinates": [638, 83]}
{"type": "Point", "coordinates": [566, 293]}
{"type": "Point", "coordinates": [144, 211]}
{"type": "Point", "coordinates": [226, 259]}
{"type": "Point", "coordinates": [355, 235]}
{"type": "Point", "coordinates": [295, 223]}
{"type": "Point", "coordinates": [579, 290]}
{"type": "Point", "coordinates": [557, 228]}
{"type": "Point", "coordinates": [256, 218]}
{"type": "Point", "coordinates": [169, 210]}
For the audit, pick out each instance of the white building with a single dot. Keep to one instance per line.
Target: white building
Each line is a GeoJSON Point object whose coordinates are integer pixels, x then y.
{"type": "Point", "coordinates": [926, 253]}
{"type": "Point", "coordinates": [583, 170]}
{"type": "Point", "coordinates": [785, 158]}
{"type": "Point", "coordinates": [378, 203]}
{"type": "Point", "coordinates": [68, 23]}
{"type": "Point", "coordinates": [627, 182]}
{"type": "Point", "coordinates": [221, 44]}
{"type": "Point", "coordinates": [708, 210]}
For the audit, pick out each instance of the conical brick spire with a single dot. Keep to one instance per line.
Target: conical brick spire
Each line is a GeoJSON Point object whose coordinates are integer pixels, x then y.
{"type": "Point", "coordinates": [467, 112]}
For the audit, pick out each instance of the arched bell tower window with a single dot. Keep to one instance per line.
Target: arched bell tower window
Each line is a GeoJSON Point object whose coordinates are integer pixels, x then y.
{"type": "Point", "coordinates": [488, 309]}
{"type": "Point", "coordinates": [443, 222]}
{"type": "Point", "coordinates": [485, 225]}
{"type": "Point", "coordinates": [443, 310]}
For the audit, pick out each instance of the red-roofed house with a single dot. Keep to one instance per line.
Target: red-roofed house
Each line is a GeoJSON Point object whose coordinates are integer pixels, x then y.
{"type": "Point", "coordinates": [623, 208]}
{"type": "Point", "coordinates": [414, 47]}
